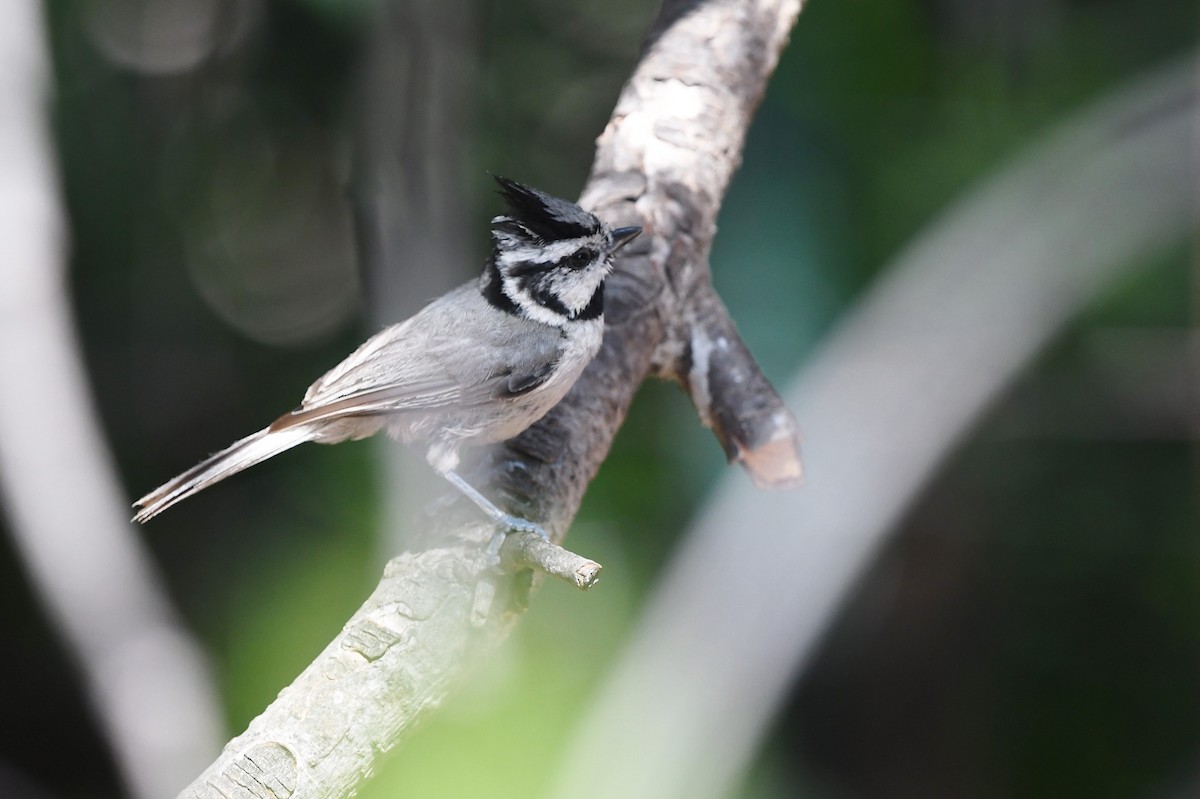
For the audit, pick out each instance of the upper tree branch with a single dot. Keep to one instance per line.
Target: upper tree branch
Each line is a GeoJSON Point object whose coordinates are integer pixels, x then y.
{"type": "Point", "coordinates": [664, 162]}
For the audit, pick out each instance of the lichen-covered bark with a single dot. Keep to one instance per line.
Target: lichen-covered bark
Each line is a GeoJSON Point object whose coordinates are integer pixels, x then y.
{"type": "Point", "coordinates": [664, 162]}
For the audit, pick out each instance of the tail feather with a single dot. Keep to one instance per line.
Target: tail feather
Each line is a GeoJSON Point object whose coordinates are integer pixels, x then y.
{"type": "Point", "coordinates": [238, 456]}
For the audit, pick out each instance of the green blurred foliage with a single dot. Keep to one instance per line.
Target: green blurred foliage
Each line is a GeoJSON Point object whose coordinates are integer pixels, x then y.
{"type": "Point", "coordinates": [1034, 630]}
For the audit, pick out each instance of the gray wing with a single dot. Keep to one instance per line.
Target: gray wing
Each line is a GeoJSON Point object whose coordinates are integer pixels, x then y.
{"type": "Point", "coordinates": [457, 352]}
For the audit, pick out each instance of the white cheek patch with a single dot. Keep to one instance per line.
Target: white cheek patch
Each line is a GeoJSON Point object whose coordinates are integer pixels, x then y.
{"type": "Point", "coordinates": [576, 289]}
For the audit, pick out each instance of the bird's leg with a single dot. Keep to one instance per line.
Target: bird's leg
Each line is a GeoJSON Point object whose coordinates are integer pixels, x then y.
{"type": "Point", "coordinates": [486, 505]}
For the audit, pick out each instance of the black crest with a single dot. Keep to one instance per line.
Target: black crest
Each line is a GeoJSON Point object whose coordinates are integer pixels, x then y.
{"type": "Point", "coordinates": [548, 218]}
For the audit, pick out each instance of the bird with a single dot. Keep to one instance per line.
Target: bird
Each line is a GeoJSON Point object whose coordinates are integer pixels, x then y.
{"type": "Point", "coordinates": [476, 366]}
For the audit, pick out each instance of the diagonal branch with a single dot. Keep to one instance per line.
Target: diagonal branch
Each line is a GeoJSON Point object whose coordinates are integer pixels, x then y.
{"type": "Point", "coordinates": [664, 162]}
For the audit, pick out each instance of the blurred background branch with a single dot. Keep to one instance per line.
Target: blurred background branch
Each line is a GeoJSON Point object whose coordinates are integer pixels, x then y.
{"type": "Point", "coordinates": [147, 680]}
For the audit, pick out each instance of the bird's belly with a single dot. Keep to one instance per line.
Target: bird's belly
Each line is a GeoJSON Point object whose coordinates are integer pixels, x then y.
{"type": "Point", "coordinates": [522, 413]}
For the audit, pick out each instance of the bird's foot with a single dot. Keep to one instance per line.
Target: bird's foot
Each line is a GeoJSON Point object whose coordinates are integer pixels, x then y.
{"type": "Point", "coordinates": [514, 524]}
{"type": "Point", "coordinates": [510, 522]}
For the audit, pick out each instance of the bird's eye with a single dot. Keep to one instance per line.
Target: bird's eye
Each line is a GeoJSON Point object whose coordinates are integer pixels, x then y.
{"type": "Point", "coordinates": [579, 259]}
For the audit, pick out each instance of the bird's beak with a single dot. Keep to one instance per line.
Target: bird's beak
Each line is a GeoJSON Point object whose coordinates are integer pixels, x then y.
{"type": "Point", "coordinates": [622, 236]}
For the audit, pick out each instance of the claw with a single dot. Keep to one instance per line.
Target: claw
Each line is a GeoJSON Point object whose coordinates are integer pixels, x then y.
{"type": "Point", "coordinates": [523, 526]}
{"type": "Point", "coordinates": [514, 524]}
{"type": "Point", "coordinates": [509, 521]}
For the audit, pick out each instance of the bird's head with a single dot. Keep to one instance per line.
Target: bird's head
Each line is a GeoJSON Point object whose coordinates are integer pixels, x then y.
{"type": "Point", "coordinates": [549, 257]}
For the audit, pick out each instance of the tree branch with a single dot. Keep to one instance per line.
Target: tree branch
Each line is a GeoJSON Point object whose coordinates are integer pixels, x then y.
{"type": "Point", "coordinates": [664, 162]}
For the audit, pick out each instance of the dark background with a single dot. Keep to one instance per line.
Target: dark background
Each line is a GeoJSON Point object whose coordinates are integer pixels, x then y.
{"type": "Point", "coordinates": [1032, 630]}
